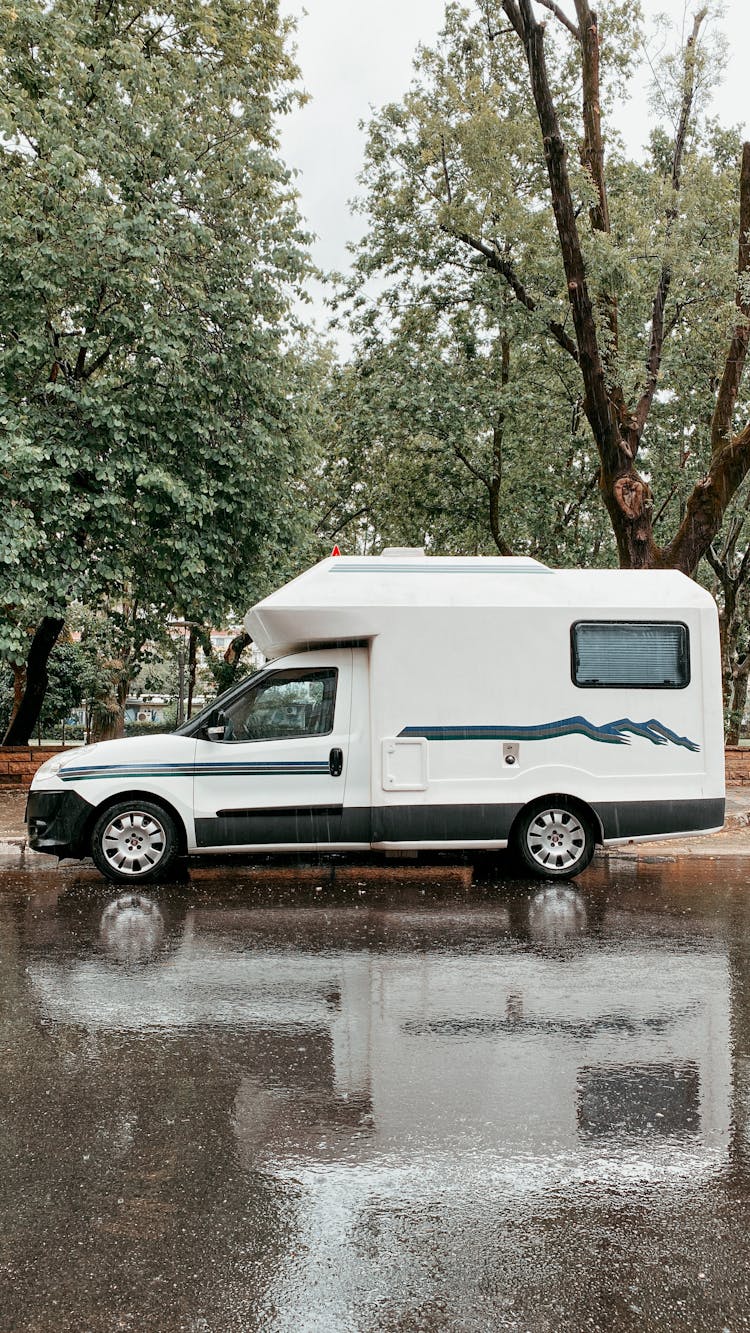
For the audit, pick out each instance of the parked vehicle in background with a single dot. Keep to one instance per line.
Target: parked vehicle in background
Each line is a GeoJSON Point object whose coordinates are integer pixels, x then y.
{"type": "Point", "coordinates": [422, 703]}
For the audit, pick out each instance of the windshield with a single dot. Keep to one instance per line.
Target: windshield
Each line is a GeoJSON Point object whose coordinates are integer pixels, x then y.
{"type": "Point", "coordinates": [217, 705]}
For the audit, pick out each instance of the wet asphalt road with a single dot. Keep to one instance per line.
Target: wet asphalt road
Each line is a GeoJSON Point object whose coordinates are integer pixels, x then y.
{"type": "Point", "coordinates": [248, 1103]}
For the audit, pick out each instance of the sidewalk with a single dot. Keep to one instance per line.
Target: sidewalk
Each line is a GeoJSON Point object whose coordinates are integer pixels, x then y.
{"type": "Point", "coordinates": [12, 807]}
{"type": "Point", "coordinates": [733, 840]}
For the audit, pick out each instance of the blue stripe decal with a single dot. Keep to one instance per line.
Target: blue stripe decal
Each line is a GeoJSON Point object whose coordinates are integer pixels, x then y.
{"type": "Point", "coordinates": [609, 733]}
{"type": "Point", "coordinates": [89, 772]}
{"type": "Point", "coordinates": [224, 763]}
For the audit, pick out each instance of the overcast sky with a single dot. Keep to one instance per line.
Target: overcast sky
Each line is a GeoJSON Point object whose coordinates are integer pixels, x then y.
{"type": "Point", "coordinates": [355, 55]}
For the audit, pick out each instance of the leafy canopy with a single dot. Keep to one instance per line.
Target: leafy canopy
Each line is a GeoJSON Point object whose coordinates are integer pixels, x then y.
{"type": "Point", "coordinates": [149, 250]}
{"type": "Point", "coordinates": [466, 371]}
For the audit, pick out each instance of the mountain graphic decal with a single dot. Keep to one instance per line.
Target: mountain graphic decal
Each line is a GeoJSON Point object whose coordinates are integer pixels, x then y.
{"type": "Point", "coordinates": [608, 733]}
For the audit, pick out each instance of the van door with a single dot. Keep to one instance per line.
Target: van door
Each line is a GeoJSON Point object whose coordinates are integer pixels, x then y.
{"type": "Point", "coordinates": [277, 778]}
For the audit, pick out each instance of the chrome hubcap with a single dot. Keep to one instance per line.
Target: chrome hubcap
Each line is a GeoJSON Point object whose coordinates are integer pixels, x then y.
{"type": "Point", "coordinates": [555, 839]}
{"type": "Point", "coordinates": [134, 842]}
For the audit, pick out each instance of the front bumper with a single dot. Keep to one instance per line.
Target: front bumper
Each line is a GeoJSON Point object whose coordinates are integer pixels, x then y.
{"type": "Point", "coordinates": [56, 822]}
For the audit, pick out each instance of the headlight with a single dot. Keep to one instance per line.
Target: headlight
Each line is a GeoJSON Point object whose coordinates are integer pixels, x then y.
{"type": "Point", "coordinates": [51, 767]}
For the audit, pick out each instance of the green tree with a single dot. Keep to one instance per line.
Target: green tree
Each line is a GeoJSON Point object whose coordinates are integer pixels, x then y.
{"type": "Point", "coordinates": [441, 426]}
{"type": "Point", "coordinates": [150, 374]}
{"type": "Point", "coordinates": [613, 284]}
{"type": "Point", "coordinates": [65, 689]}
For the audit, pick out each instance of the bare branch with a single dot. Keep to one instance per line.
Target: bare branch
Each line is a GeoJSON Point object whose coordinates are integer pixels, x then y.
{"type": "Point", "coordinates": [593, 145]}
{"type": "Point", "coordinates": [665, 505]}
{"type": "Point", "coordinates": [653, 360]}
{"type": "Point", "coordinates": [716, 564]}
{"type": "Point", "coordinates": [593, 160]}
{"type": "Point", "coordinates": [708, 502]}
{"type": "Point", "coordinates": [656, 340]}
{"type": "Point", "coordinates": [721, 424]}
{"type": "Point", "coordinates": [98, 363]}
{"type": "Point", "coordinates": [350, 518]}
{"type": "Point", "coordinates": [498, 432]}
{"type": "Point", "coordinates": [445, 169]}
{"type": "Point", "coordinates": [80, 363]}
{"type": "Point", "coordinates": [496, 261]}
{"type": "Point", "coordinates": [575, 506]}
{"type": "Point", "coordinates": [475, 471]}
{"type": "Point", "coordinates": [597, 405]}
{"type": "Point", "coordinates": [688, 90]}
{"type": "Point", "coordinates": [744, 565]}
{"type": "Point", "coordinates": [511, 10]}
{"type": "Point", "coordinates": [558, 13]}
{"type": "Point", "coordinates": [732, 537]}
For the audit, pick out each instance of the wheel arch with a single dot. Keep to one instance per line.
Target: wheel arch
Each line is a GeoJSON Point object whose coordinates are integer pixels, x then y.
{"type": "Point", "coordinates": [575, 802]}
{"type": "Point", "coordinates": [135, 794]}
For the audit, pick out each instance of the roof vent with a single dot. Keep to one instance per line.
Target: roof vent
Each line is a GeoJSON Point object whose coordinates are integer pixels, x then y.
{"type": "Point", "coordinates": [411, 552]}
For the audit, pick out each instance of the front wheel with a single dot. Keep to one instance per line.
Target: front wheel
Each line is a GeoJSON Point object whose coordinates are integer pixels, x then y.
{"type": "Point", "coordinates": [554, 839]}
{"type": "Point", "coordinates": [134, 841]}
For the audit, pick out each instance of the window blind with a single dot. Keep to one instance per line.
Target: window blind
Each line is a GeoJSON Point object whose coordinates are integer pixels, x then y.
{"type": "Point", "coordinates": [641, 655]}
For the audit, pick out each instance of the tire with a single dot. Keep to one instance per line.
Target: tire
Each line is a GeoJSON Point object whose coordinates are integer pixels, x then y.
{"type": "Point", "coordinates": [135, 842]}
{"type": "Point", "coordinates": [554, 838]}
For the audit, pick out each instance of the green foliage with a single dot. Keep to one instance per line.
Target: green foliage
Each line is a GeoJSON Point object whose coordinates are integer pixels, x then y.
{"type": "Point", "coordinates": [149, 248]}
{"type": "Point", "coordinates": [457, 384]}
{"type": "Point", "coordinates": [71, 668]}
{"type": "Point", "coordinates": [67, 666]}
{"type": "Point", "coordinates": [420, 424]}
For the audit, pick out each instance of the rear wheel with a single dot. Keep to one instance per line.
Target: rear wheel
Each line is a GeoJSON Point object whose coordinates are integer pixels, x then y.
{"type": "Point", "coordinates": [554, 839]}
{"type": "Point", "coordinates": [134, 842]}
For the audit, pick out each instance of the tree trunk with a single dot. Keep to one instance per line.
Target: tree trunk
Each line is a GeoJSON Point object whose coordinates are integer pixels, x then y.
{"type": "Point", "coordinates": [236, 648]}
{"type": "Point", "coordinates": [107, 721]}
{"type": "Point", "coordinates": [616, 426]}
{"type": "Point", "coordinates": [19, 686]}
{"type": "Point", "coordinates": [108, 711]}
{"type": "Point", "coordinates": [25, 719]}
{"type": "Point", "coordinates": [495, 479]}
{"type": "Point", "coordinates": [738, 704]}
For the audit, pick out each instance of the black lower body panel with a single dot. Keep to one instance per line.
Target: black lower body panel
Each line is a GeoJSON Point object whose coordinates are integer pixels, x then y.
{"type": "Point", "coordinates": [336, 824]}
{"type": "Point", "coordinates": [472, 823]}
{"type": "Point", "coordinates": [56, 822]}
{"type": "Point", "coordinates": [442, 823]}
{"type": "Point", "coordinates": [306, 825]}
{"type": "Point", "coordinates": [639, 819]}
{"type": "Point", "coordinates": [321, 825]}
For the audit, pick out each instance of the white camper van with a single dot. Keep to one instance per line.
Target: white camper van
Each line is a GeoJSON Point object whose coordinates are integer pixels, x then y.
{"type": "Point", "coordinates": [422, 703]}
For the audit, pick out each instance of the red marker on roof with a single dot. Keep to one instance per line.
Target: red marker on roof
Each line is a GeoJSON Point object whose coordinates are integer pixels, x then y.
{"type": "Point", "coordinates": [335, 551]}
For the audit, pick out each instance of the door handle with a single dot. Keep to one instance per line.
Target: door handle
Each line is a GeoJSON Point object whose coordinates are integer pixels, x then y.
{"type": "Point", "coordinates": [336, 762]}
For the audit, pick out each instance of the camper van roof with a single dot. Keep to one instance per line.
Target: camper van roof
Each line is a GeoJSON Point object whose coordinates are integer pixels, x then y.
{"type": "Point", "coordinates": [349, 597]}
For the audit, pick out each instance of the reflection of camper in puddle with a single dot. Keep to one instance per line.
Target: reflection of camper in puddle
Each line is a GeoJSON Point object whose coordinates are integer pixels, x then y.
{"type": "Point", "coordinates": [367, 1042]}
{"type": "Point", "coordinates": [659, 1100]}
{"type": "Point", "coordinates": [556, 917]}
{"type": "Point", "coordinates": [556, 914]}
{"type": "Point", "coordinates": [132, 929]}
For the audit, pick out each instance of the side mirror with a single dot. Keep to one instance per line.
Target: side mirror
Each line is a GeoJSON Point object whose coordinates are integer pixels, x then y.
{"type": "Point", "coordinates": [216, 732]}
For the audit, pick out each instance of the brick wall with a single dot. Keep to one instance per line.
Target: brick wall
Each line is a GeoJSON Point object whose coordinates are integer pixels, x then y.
{"type": "Point", "coordinates": [738, 765]}
{"type": "Point", "coordinates": [18, 763]}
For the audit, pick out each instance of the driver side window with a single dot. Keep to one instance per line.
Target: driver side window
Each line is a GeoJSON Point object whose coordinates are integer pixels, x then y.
{"type": "Point", "coordinates": [284, 705]}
